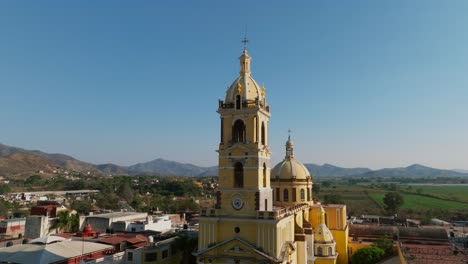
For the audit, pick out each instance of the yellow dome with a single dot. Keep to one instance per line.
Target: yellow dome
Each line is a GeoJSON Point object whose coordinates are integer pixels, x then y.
{"type": "Point", "coordinates": [290, 168]}
{"type": "Point", "coordinates": [238, 88]}
{"type": "Point", "coordinates": [244, 86]}
{"type": "Point", "coordinates": [323, 235]}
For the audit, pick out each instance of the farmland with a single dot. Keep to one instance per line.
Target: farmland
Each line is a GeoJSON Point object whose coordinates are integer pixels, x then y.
{"type": "Point", "coordinates": [367, 198]}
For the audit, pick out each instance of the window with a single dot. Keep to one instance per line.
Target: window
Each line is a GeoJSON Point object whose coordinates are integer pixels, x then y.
{"type": "Point", "coordinates": [285, 195]}
{"type": "Point", "coordinates": [264, 175]}
{"type": "Point", "coordinates": [238, 175]}
{"type": "Point", "coordinates": [238, 101]}
{"type": "Point", "coordinates": [129, 256]}
{"type": "Point", "coordinates": [319, 251]}
{"type": "Point", "coordinates": [153, 256]}
{"type": "Point", "coordinates": [277, 194]}
{"type": "Point", "coordinates": [238, 131]}
{"type": "Point", "coordinates": [222, 130]}
{"type": "Point", "coordinates": [165, 254]}
{"type": "Point", "coordinates": [308, 194]}
{"type": "Point", "coordinates": [263, 134]}
{"type": "Point", "coordinates": [302, 195]}
{"type": "Point", "coordinates": [330, 251]}
{"type": "Point", "coordinates": [293, 194]}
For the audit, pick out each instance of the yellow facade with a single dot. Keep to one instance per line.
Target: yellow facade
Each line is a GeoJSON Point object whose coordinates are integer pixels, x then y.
{"type": "Point", "coordinates": [262, 216]}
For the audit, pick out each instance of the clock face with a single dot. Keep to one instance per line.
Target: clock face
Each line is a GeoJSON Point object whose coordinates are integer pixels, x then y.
{"type": "Point", "coordinates": [237, 203]}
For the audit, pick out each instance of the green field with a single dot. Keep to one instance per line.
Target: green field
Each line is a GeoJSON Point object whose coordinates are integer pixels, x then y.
{"type": "Point", "coordinates": [414, 201]}
{"type": "Point", "coordinates": [448, 192]}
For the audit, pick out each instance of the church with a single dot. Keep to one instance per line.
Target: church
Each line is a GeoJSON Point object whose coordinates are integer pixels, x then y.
{"type": "Point", "coordinates": [264, 215]}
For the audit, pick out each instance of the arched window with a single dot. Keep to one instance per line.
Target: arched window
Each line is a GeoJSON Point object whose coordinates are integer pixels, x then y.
{"type": "Point", "coordinates": [302, 195]}
{"type": "Point", "coordinates": [330, 251]}
{"type": "Point", "coordinates": [222, 130]}
{"type": "Point", "coordinates": [285, 195]}
{"type": "Point", "coordinates": [263, 134]}
{"type": "Point", "coordinates": [278, 194]}
{"type": "Point", "coordinates": [238, 175]}
{"type": "Point", "coordinates": [238, 131]}
{"type": "Point", "coordinates": [264, 175]}
{"type": "Point", "coordinates": [319, 251]}
{"type": "Point", "coordinates": [238, 101]}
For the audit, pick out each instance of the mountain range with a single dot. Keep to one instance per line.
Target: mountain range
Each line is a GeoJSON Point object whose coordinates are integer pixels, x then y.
{"type": "Point", "coordinates": [17, 161]}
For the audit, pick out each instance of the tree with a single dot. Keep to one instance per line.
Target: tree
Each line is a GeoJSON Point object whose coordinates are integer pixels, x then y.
{"type": "Point", "coordinates": [65, 222]}
{"type": "Point", "coordinates": [81, 206]}
{"type": "Point", "coordinates": [187, 245]}
{"type": "Point", "coordinates": [392, 202]}
{"type": "Point", "coordinates": [369, 255]}
{"type": "Point", "coordinates": [333, 198]}
{"type": "Point", "coordinates": [385, 244]}
{"type": "Point", "coordinates": [316, 188]}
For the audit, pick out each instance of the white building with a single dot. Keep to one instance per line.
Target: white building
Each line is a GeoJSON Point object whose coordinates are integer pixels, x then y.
{"type": "Point", "coordinates": [160, 224]}
{"type": "Point", "coordinates": [118, 221]}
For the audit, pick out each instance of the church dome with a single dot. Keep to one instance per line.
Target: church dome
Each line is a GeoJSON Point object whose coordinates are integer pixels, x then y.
{"type": "Point", "coordinates": [244, 85]}
{"type": "Point", "coordinates": [322, 234]}
{"type": "Point", "coordinates": [290, 168]}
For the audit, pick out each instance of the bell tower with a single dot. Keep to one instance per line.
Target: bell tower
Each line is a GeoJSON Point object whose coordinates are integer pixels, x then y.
{"type": "Point", "coordinates": [244, 154]}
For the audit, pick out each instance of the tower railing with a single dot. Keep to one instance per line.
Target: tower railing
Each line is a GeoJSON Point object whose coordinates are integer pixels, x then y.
{"type": "Point", "coordinates": [249, 103]}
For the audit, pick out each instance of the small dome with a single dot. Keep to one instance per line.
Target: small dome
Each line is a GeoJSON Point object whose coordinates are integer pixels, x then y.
{"type": "Point", "coordinates": [290, 168]}
{"type": "Point", "coordinates": [323, 235]}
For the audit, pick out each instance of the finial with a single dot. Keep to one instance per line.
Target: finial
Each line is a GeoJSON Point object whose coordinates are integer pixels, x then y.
{"type": "Point", "coordinates": [245, 40]}
{"type": "Point", "coordinates": [289, 134]}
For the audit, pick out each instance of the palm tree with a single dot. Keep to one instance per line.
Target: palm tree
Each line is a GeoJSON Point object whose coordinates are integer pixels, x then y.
{"type": "Point", "coordinates": [65, 222]}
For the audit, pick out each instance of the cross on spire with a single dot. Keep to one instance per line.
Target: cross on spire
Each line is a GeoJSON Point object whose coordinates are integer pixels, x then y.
{"type": "Point", "coordinates": [289, 133]}
{"type": "Point", "coordinates": [245, 41]}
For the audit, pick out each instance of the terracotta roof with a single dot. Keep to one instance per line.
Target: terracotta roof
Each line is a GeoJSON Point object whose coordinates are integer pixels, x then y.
{"type": "Point", "coordinates": [440, 254]}
{"type": "Point", "coordinates": [403, 233]}
{"type": "Point", "coordinates": [113, 240]}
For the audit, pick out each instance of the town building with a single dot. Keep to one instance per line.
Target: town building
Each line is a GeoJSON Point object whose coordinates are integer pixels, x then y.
{"type": "Point", "coordinates": [263, 215]}
{"type": "Point", "coordinates": [13, 227]}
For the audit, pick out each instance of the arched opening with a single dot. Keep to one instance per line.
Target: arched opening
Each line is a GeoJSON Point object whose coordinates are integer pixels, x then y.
{"type": "Point", "coordinates": [319, 251]}
{"type": "Point", "coordinates": [302, 195]}
{"type": "Point", "coordinates": [330, 251]}
{"type": "Point", "coordinates": [222, 130]}
{"type": "Point", "coordinates": [277, 194]}
{"type": "Point", "coordinates": [285, 195]}
{"type": "Point", "coordinates": [264, 175]}
{"type": "Point", "coordinates": [238, 175]}
{"type": "Point", "coordinates": [238, 131]}
{"type": "Point", "coordinates": [263, 134]}
{"type": "Point", "coordinates": [238, 101]}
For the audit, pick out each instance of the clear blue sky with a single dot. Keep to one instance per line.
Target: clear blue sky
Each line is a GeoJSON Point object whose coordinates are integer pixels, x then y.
{"type": "Point", "coordinates": [360, 83]}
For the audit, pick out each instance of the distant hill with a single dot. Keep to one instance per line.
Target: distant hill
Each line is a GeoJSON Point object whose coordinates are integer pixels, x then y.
{"type": "Point", "coordinates": [15, 161]}
{"type": "Point", "coordinates": [59, 160]}
{"type": "Point", "coordinates": [166, 167]}
{"type": "Point", "coordinates": [412, 171]}
{"type": "Point", "coordinates": [21, 163]}
{"type": "Point", "coordinates": [328, 170]}
{"type": "Point", "coordinates": [110, 168]}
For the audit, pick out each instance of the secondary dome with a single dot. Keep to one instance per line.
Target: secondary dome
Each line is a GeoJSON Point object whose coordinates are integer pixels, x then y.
{"type": "Point", "coordinates": [244, 86]}
{"type": "Point", "coordinates": [322, 234]}
{"type": "Point", "coordinates": [290, 168]}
